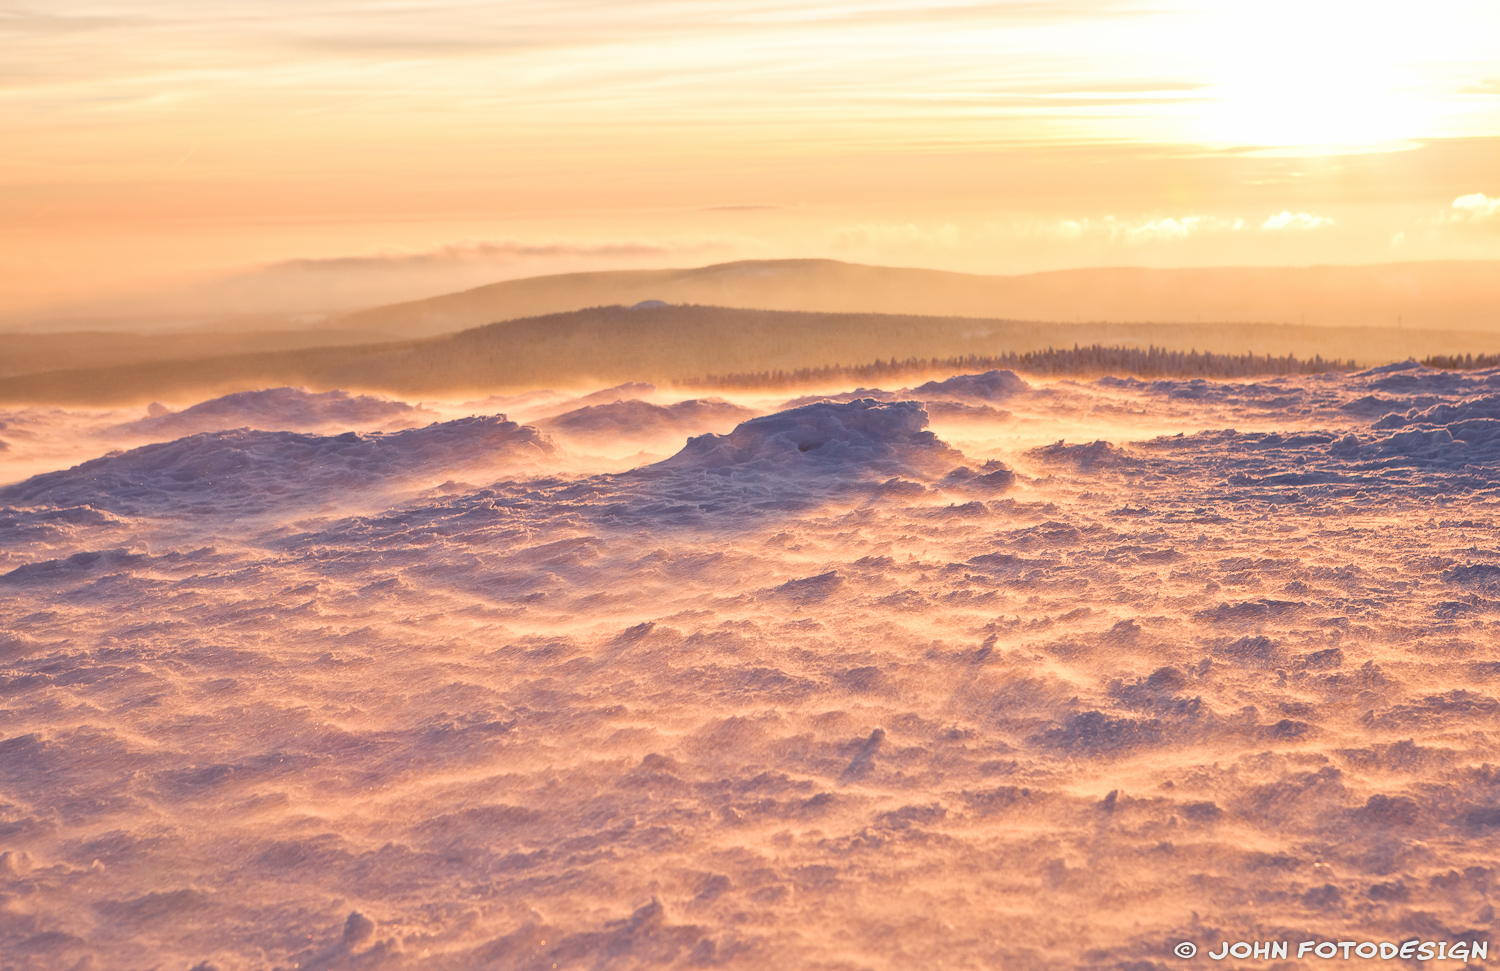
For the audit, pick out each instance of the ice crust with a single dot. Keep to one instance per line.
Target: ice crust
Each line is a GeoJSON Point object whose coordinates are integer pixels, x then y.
{"type": "Point", "coordinates": [822, 691]}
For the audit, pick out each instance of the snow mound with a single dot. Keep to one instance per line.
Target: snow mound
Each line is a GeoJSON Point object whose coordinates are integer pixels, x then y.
{"type": "Point", "coordinates": [641, 419]}
{"type": "Point", "coordinates": [1485, 408]}
{"type": "Point", "coordinates": [279, 409]}
{"type": "Point", "coordinates": [824, 435]}
{"type": "Point", "coordinates": [994, 477]}
{"type": "Point", "coordinates": [608, 396]}
{"type": "Point", "coordinates": [244, 471]}
{"type": "Point", "coordinates": [1409, 364]}
{"type": "Point", "coordinates": [1374, 406]}
{"type": "Point", "coordinates": [961, 411]}
{"type": "Point", "coordinates": [843, 396]}
{"type": "Point", "coordinates": [1432, 381]}
{"type": "Point", "coordinates": [1268, 395]}
{"type": "Point", "coordinates": [52, 525]}
{"type": "Point", "coordinates": [1463, 435]}
{"type": "Point", "coordinates": [1083, 458]}
{"type": "Point", "coordinates": [1484, 576]}
{"type": "Point", "coordinates": [939, 396]}
{"type": "Point", "coordinates": [89, 561]}
{"type": "Point", "coordinates": [990, 386]}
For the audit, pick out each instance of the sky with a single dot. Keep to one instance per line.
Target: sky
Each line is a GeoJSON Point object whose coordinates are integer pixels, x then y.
{"type": "Point", "coordinates": [152, 144]}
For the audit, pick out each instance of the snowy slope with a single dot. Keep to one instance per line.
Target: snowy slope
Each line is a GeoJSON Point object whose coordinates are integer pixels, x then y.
{"type": "Point", "coordinates": [843, 687]}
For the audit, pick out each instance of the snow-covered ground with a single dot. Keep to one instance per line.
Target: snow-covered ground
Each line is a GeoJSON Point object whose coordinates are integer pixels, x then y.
{"type": "Point", "coordinates": [977, 675]}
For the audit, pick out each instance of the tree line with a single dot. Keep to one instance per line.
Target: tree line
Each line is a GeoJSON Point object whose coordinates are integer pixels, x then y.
{"type": "Point", "coordinates": [1096, 359]}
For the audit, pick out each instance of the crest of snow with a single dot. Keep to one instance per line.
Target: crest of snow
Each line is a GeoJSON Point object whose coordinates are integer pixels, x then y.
{"type": "Point", "coordinates": [279, 409]}
{"type": "Point", "coordinates": [991, 386]}
{"type": "Point", "coordinates": [824, 435]}
{"type": "Point", "coordinates": [635, 418]}
{"type": "Point", "coordinates": [256, 470]}
{"type": "Point", "coordinates": [622, 392]}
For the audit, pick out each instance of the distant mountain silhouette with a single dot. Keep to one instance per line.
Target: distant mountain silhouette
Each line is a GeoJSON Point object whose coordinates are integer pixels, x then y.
{"type": "Point", "coordinates": [1446, 295]}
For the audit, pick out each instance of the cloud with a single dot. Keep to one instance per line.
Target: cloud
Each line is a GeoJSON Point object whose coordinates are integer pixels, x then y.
{"type": "Point", "coordinates": [492, 251]}
{"type": "Point", "coordinates": [1136, 233]}
{"type": "Point", "coordinates": [1467, 214]}
{"type": "Point", "coordinates": [328, 284]}
{"type": "Point", "coordinates": [1158, 229]}
{"type": "Point", "coordinates": [28, 23]}
{"type": "Point", "coordinates": [1475, 206]}
{"type": "Point", "coordinates": [1296, 221]}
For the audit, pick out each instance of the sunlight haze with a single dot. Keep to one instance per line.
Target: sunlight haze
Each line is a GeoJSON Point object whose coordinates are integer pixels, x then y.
{"type": "Point", "coordinates": [770, 485]}
{"type": "Point", "coordinates": [151, 144]}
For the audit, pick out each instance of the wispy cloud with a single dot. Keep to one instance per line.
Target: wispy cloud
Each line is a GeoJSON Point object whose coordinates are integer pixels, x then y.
{"type": "Point", "coordinates": [329, 284]}
{"type": "Point", "coordinates": [23, 24]}
{"type": "Point", "coordinates": [492, 252]}
{"type": "Point", "coordinates": [1296, 221]}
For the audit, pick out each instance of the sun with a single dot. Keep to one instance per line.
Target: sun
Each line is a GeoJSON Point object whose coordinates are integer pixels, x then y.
{"type": "Point", "coordinates": [1337, 74]}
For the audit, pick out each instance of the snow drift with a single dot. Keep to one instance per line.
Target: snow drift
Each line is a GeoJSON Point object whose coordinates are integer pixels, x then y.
{"type": "Point", "coordinates": [246, 471]}
{"type": "Point", "coordinates": [824, 437]}
{"type": "Point", "coordinates": [705, 713]}
{"type": "Point", "coordinates": [636, 419]}
{"type": "Point", "coordinates": [279, 409]}
{"type": "Point", "coordinates": [989, 386]}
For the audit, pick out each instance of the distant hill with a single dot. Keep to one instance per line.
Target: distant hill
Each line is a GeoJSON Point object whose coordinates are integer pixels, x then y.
{"type": "Point", "coordinates": [611, 345]}
{"type": "Point", "coordinates": [1458, 296]}
{"type": "Point", "coordinates": [1435, 295]}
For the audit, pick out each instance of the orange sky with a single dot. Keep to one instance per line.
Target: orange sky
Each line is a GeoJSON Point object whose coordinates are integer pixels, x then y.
{"type": "Point", "coordinates": [147, 142]}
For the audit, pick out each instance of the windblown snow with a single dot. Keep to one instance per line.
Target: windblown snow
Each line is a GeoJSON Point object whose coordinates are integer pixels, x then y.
{"type": "Point", "coordinates": [278, 409]}
{"type": "Point", "coordinates": [871, 679]}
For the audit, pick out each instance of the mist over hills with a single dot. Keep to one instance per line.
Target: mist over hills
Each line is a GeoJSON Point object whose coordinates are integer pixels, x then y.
{"type": "Point", "coordinates": [1449, 295]}
{"type": "Point", "coordinates": [673, 343]}
{"type": "Point", "coordinates": [354, 296]}
{"type": "Point", "coordinates": [769, 315]}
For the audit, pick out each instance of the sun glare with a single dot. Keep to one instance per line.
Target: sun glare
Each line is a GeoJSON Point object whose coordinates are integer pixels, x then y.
{"type": "Point", "coordinates": [1339, 75]}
